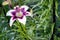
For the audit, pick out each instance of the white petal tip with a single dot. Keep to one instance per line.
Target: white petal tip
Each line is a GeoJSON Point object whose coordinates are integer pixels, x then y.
{"type": "Point", "coordinates": [9, 13]}
{"type": "Point", "coordinates": [24, 23]}
{"type": "Point", "coordinates": [25, 6]}
{"type": "Point", "coordinates": [10, 25]}
{"type": "Point", "coordinates": [17, 6]}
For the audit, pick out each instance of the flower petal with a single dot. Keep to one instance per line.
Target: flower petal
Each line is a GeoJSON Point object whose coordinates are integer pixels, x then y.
{"type": "Point", "coordinates": [11, 21]}
{"type": "Point", "coordinates": [9, 13]}
{"type": "Point", "coordinates": [28, 14]}
{"type": "Point", "coordinates": [16, 7]}
{"type": "Point", "coordinates": [25, 7]}
{"type": "Point", "coordinates": [23, 20]}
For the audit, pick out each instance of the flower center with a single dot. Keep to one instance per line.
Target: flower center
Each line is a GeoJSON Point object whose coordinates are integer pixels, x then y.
{"type": "Point", "coordinates": [19, 14]}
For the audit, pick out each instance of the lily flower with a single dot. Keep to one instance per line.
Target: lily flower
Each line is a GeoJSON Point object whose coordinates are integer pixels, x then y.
{"type": "Point", "coordinates": [18, 13]}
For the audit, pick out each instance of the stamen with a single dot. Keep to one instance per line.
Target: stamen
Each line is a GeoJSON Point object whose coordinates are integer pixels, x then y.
{"type": "Point", "coordinates": [19, 14]}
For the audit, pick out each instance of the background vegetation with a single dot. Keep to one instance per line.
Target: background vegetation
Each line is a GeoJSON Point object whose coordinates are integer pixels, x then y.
{"type": "Point", "coordinates": [40, 27]}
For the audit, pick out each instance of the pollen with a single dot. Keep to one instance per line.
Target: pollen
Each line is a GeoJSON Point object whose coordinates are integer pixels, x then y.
{"type": "Point", "coordinates": [19, 14]}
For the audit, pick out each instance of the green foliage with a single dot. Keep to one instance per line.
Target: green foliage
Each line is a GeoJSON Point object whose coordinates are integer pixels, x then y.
{"type": "Point", "coordinates": [39, 27]}
{"type": "Point", "coordinates": [57, 31]}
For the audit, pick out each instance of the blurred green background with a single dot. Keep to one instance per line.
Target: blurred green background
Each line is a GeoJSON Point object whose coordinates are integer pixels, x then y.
{"type": "Point", "coordinates": [40, 27]}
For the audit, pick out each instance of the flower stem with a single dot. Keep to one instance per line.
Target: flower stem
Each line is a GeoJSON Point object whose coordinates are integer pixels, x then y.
{"type": "Point", "coordinates": [22, 30]}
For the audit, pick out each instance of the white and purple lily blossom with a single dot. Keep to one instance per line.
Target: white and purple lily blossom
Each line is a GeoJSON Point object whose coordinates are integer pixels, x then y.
{"type": "Point", "coordinates": [18, 13]}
